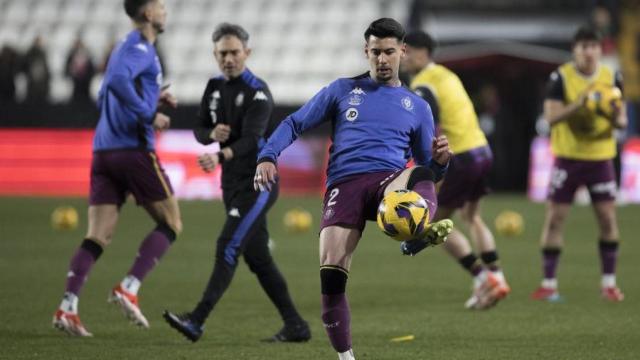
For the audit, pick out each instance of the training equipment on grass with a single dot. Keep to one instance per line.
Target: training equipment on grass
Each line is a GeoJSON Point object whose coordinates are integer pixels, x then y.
{"type": "Point", "coordinates": [403, 215]}
{"type": "Point", "coordinates": [509, 223]}
{"type": "Point", "coordinates": [297, 220]}
{"type": "Point", "coordinates": [64, 218]}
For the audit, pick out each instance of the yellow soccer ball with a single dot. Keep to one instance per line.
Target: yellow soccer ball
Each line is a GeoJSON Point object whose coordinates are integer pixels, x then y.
{"type": "Point", "coordinates": [509, 223]}
{"type": "Point", "coordinates": [403, 215]}
{"type": "Point", "coordinates": [297, 220]}
{"type": "Point", "coordinates": [603, 99]}
{"type": "Point", "coordinates": [64, 218]}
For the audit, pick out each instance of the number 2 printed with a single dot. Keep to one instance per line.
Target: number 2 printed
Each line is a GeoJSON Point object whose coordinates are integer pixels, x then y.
{"type": "Point", "coordinates": [332, 197]}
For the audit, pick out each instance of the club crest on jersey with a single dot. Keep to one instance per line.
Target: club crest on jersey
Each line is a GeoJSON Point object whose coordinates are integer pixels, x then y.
{"type": "Point", "coordinates": [351, 114]}
{"type": "Point", "coordinates": [357, 91]}
{"type": "Point", "coordinates": [355, 100]}
{"type": "Point", "coordinates": [240, 99]}
{"type": "Point", "coordinates": [407, 103]}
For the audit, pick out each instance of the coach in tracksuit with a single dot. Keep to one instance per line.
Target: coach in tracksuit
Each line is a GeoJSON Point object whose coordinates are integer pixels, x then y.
{"type": "Point", "coordinates": [235, 111]}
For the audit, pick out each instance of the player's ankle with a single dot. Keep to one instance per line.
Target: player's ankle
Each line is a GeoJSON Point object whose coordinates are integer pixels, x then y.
{"type": "Point", "coordinates": [347, 355]}
{"type": "Point", "coordinates": [550, 283]}
{"type": "Point", "coordinates": [130, 284]}
{"type": "Point", "coordinates": [608, 281]}
{"type": "Point", "coordinates": [69, 303]}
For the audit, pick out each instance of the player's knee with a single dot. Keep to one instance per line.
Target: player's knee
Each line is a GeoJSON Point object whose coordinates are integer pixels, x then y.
{"type": "Point", "coordinates": [258, 265]}
{"type": "Point", "coordinates": [175, 223]}
{"type": "Point", "coordinates": [167, 230]}
{"type": "Point", "coordinates": [101, 241]}
{"type": "Point", "coordinates": [420, 173]}
{"type": "Point", "coordinates": [333, 279]}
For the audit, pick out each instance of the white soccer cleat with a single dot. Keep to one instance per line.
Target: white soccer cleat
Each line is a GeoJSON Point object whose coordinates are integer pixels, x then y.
{"type": "Point", "coordinates": [70, 323]}
{"type": "Point", "coordinates": [128, 303]}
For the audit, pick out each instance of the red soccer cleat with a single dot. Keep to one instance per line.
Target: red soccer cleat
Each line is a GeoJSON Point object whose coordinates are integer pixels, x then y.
{"type": "Point", "coordinates": [548, 294]}
{"type": "Point", "coordinates": [128, 303]}
{"type": "Point", "coordinates": [70, 323]}
{"type": "Point", "coordinates": [613, 294]}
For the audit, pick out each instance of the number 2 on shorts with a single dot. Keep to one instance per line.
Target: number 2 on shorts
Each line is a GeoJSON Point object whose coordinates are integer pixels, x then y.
{"type": "Point", "coordinates": [332, 197]}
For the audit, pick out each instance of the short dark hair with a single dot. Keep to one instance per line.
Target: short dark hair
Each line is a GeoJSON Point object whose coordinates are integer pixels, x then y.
{"type": "Point", "coordinates": [421, 40]}
{"type": "Point", "coordinates": [132, 7]}
{"type": "Point", "coordinates": [226, 29]}
{"type": "Point", "coordinates": [586, 33]}
{"type": "Point", "coordinates": [384, 28]}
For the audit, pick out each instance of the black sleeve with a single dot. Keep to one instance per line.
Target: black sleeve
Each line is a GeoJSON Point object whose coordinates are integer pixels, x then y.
{"type": "Point", "coordinates": [254, 123]}
{"type": "Point", "coordinates": [617, 81]}
{"type": "Point", "coordinates": [428, 95]}
{"type": "Point", "coordinates": [555, 87]}
{"type": "Point", "coordinates": [204, 124]}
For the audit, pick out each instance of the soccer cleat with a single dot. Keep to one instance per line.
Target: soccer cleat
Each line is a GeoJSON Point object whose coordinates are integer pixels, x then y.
{"type": "Point", "coordinates": [298, 332]}
{"type": "Point", "coordinates": [69, 323]}
{"type": "Point", "coordinates": [548, 294]}
{"type": "Point", "coordinates": [128, 303]}
{"type": "Point", "coordinates": [183, 323]}
{"type": "Point", "coordinates": [612, 293]}
{"type": "Point", "coordinates": [486, 294]}
{"type": "Point", "coordinates": [435, 234]}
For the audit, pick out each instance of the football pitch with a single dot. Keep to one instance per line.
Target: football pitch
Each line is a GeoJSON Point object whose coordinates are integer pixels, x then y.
{"type": "Point", "coordinates": [390, 295]}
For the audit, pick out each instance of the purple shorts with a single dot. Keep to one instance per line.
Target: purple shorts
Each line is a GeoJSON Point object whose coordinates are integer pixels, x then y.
{"type": "Point", "coordinates": [567, 175]}
{"type": "Point", "coordinates": [115, 173]}
{"type": "Point", "coordinates": [466, 178]}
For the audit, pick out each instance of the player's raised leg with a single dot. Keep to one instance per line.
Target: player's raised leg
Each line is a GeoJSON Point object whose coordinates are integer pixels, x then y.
{"type": "Point", "coordinates": [102, 222]}
{"type": "Point", "coordinates": [337, 245]}
{"type": "Point", "coordinates": [551, 243]}
{"type": "Point", "coordinates": [421, 180]}
{"type": "Point", "coordinates": [608, 248]}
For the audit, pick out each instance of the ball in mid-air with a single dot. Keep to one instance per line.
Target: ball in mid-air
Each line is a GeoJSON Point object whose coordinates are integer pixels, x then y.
{"type": "Point", "coordinates": [64, 218]}
{"type": "Point", "coordinates": [509, 223]}
{"type": "Point", "coordinates": [403, 215]}
{"type": "Point", "coordinates": [297, 220]}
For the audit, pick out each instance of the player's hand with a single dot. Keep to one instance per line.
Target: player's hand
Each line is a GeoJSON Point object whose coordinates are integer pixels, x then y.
{"type": "Point", "coordinates": [161, 122]}
{"type": "Point", "coordinates": [266, 174]}
{"type": "Point", "coordinates": [441, 152]}
{"type": "Point", "coordinates": [220, 133]}
{"type": "Point", "coordinates": [584, 95]}
{"type": "Point", "coordinates": [168, 99]}
{"type": "Point", "coordinates": [208, 162]}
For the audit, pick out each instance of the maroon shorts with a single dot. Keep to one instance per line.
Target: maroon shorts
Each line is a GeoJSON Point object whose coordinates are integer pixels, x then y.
{"type": "Point", "coordinates": [466, 178]}
{"type": "Point", "coordinates": [567, 175]}
{"type": "Point", "coordinates": [115, 173]}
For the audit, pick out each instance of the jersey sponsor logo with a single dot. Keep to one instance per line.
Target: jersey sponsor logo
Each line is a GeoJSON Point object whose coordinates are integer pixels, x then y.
{"type": "Point", "coordinates": [357, 91]}
{"type": "Point", "coordinates": [240, 99]}
{"type": "Point", "coordinates": [355, 100]}
{"type": "Point", "coordinates": [407, 103]}
{"type": "Point", "coordinates": [234, 212]}
{"type": "Point", "coordinates": [351, 114]}
{"type": "Point", "coordinates": [142, 47]}
{"type": "Point", "coordinates": [260, 95]}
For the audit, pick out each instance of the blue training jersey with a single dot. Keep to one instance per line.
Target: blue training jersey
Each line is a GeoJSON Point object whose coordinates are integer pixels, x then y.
{"type": "Point", "coordinates": [375, 128]}
{"type": "Point", "coordinates": [129, 96]}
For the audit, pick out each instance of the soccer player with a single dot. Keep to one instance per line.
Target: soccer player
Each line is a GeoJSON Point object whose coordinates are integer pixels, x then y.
{"type": "Point", "coordinates": [584, 144]}
{"type": "Point", "coordinates": [235, 111]}
{"type": "Point", "coordinates": [377, 126]}
{"type": "Point", "coordinates": [466, 180]}
{"type": "Point", "coordinates": [124, 161]}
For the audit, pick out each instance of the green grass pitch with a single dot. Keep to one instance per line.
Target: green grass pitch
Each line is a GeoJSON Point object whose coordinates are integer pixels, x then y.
{"type": "Point", "coordinates": [390, 295]}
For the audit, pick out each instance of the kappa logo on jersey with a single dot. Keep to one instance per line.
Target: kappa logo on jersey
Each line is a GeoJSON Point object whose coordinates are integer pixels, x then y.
{"type": "Point", "coordinates": [240, 99]}
{"type": "Point", "coordinates": [407, 103]}
{"type": "Point", "coordinates": [260, 95]}
{"type": "Point", "coordinates": [142, 47]}
{"type": "Point", "coordinates": [234, 212]}
{"type": "Point", "coordinates": [357, 91]}
{"type": "Point", "coordinates": [213, 105]}
{"type": "Point", "coordinates": [351, 114]}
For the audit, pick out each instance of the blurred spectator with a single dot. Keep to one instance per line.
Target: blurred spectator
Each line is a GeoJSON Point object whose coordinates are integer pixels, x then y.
{"type": "Point", "coordinates": [8, 70]}
{"type": "Point", "coordinates": [80, 69]}
{"type": "Point", "coordinates": [36, 69]}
